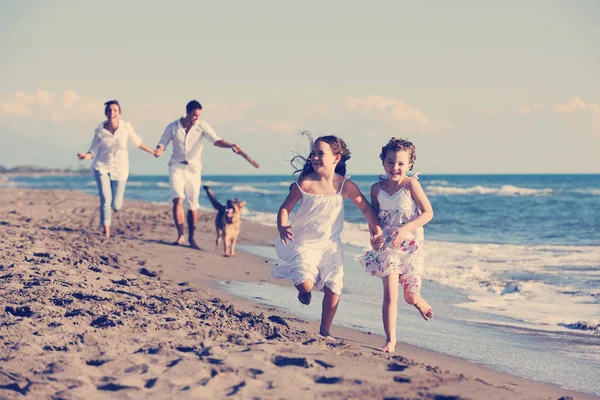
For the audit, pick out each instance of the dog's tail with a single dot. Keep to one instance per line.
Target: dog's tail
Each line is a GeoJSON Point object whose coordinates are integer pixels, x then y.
{"type": "Point", "coordinates": [213, 199]}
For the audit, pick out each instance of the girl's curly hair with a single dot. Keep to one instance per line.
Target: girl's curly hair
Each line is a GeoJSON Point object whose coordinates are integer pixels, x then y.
{"type": "Point", "coordinates": [303, 165]}
{"type": "Point", "coordinates": [399, 145]}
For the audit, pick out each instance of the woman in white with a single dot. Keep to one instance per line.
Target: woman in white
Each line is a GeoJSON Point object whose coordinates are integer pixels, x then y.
{"type": "Point", "coordinates": [111, 160]}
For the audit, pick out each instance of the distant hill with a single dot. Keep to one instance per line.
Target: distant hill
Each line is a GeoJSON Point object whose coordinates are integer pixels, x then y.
{"type": "Point", "coordinates": [30, 169]}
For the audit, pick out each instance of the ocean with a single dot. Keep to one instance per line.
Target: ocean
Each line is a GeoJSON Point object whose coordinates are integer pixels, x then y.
{"type": "Point", "coordinates": [512, 271]}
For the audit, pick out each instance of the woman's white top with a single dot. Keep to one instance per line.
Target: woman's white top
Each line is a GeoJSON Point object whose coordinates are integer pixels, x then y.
{"type": "Point", "coordinates": [110, 150]}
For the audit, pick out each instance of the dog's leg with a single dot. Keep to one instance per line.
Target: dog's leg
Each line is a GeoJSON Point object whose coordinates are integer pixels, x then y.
{"type": "Point", "coordinates": [226, 245]}
{"type": "Point", "coordinates": [233, 242]}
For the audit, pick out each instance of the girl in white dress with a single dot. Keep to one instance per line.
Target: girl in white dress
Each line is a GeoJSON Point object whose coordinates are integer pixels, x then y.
{"type": "Point", "coordinates": [403, 209]}
{"type": "Point", "coordinates": [311, 246]}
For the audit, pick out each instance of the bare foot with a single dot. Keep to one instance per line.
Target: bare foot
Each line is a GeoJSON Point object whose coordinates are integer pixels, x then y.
{"type": "Point", "coordinates": [180, 240]}
{"type": "Point", "coordinates": [194, 245]}
{"type": "Point", "coordinates": [305, 298]}
{"type": "Point", "coordinates": [425, 309]}
{"type": "Point", "coordinates": [107, 232]}
{"type": "Point", "coordinates": [389, 347]}
{"type": "Point", "coordinates": [327, 336]}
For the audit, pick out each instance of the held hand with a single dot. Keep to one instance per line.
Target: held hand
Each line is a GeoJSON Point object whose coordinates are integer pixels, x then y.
{"type": "Point", "coordinates": [377, 242]}
{"type": "Point", "coordinates": [84, 156]}
{"type": "Point", "coordinates": [399, 235]}
{"type": "Point", "coordinates": [158, 152]}
{"type": "Point", "coordinates": [235, 148]}
{"type": "Point", "coordinates": [286, 234]}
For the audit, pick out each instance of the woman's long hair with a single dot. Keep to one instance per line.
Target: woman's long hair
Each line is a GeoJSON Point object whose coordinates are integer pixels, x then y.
{"type": "Point", "coordinates": [303, 165]}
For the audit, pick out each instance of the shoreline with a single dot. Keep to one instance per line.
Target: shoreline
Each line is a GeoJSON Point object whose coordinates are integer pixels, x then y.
{"type": "Point", "coordinates": [63, 225]}
{"type": "Point", "coordinates": [45, 173]}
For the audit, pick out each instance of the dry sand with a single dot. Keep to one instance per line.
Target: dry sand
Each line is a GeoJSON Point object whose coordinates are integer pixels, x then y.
{"type": "Point", "coordinates": [134, 317]}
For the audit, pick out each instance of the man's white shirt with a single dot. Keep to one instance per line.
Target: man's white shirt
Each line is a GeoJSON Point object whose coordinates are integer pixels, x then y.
{"type": "Point", "coordinates": [187, 147]}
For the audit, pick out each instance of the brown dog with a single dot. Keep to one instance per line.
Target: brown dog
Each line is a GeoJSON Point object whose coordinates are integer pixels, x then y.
{"type": "Point", "coordinates": [228, 221]}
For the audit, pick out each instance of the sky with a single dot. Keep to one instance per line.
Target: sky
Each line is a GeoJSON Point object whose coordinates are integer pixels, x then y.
{"type": "Point", "coordinates": [479, 87]}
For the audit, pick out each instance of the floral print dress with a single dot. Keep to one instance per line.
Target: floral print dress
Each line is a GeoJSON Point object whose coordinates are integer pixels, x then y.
{"type": "Point", "coordinates": [408, 259]}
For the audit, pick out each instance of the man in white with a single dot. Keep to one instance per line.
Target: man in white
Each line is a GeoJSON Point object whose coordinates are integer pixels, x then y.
{"type": "Point", "coordinates": [188, 134]}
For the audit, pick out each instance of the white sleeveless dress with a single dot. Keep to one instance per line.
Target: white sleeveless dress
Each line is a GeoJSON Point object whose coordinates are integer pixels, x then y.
{"type": "Point", "coordinates": [316, 252]}
{"type": "Point", "coordinates": [408, 259]}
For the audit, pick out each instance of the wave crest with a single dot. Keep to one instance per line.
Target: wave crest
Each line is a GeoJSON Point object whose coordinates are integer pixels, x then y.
{"type": "Point", "coordinates": [506, 190]}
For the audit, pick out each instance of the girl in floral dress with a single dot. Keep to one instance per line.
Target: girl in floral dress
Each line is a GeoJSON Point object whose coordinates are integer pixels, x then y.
{"type": "Point", "coordinates": [403, 209]}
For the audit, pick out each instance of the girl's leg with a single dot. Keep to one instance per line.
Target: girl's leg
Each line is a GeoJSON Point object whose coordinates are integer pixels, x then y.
{"type": "Point", "coordinates": [389, 311]}
{"type": "Point", "coordinates": [330, 305]}
{"type": "Point", "coordinates": [104, 191]}
{"type": "Point", "coordinates": [118, 192]}
{"type": "Point", "coordinates": [304, 290]}
{"type": "Point", "coordinates": [411, 285]}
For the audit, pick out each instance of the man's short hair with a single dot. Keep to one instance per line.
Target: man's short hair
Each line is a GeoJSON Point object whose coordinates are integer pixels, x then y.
{"type": "Point", "coordinates": [193, 105]}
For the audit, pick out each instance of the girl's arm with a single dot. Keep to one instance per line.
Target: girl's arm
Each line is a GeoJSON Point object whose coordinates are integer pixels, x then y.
{"type": "Point", "coordinates": [374, 201]}
{"type": "Point", "coordinates": [356, 196]}
{"type": "Point", "coordinates": [423, 202]}
{"type": "Point", "coordinates": [376, 241]}
{"type": "Point", "coordinates": [420, 197]}
{"type": "Point", "coordinates": [285, 230]}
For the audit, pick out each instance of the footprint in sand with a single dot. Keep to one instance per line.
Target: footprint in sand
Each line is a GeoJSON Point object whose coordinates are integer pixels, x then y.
{"type": "Point", "coordinates": [396, 367]}
{"type": "Point", "coordinates": [328, 380]}
{"type": "Point", "coordinates": [282, 361]}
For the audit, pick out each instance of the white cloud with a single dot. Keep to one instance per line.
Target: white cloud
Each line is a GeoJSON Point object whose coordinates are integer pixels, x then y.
{"type": "Point", "coordinates": [577, 107]}
{"type": "Point", "coordinates": [392, 111]}
{"type": "Point", "coordinates": [526, 109]}
{"type": "Point", "coordinates": [67, 106]}
{"type": "Point", "coordinates": [70, 106]}
{"type": "Point", "coordinates": [573, 109]}
{"type": "Point", "coordinates": [574, 104]}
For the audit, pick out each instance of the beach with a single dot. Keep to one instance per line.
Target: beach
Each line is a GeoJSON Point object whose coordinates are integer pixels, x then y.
{"type": "Point", "coordinates": [133, 316]}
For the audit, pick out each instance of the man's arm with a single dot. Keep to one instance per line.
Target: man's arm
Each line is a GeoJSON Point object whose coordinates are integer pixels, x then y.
{"type": "Point", "coordinates": [226, 145]}
{"type": "Point", "coordinates": [165, 139]}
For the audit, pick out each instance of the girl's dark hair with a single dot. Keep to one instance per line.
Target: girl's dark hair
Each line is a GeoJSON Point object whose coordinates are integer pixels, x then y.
{"type": "Point", "coordinates": [303, 165]}
{"type": "Point", "coordinates": [399, 145]}
{"type": "Point", "coordinates": [110, 103]}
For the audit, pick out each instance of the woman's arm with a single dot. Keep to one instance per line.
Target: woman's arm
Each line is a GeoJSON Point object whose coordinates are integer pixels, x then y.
{"type": "Point", "coordinates": [146, 148]}
{"type": "Point", "coordinates": [91, 153]}
{"type": "Point", "coordinates": [136, 140]}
